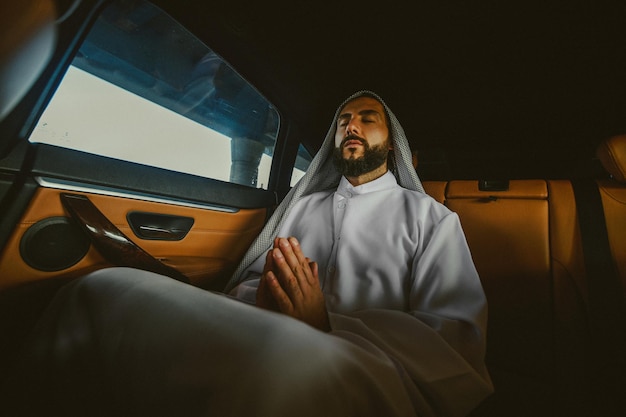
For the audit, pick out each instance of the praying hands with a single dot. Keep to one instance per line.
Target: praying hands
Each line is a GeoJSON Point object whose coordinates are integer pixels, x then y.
{"type": "Point", "coordinates": [290, 285]}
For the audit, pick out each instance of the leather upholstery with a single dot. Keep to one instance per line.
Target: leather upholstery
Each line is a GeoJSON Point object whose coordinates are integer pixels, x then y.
{"type": "Point", "coordinates": [526, 245]}
{"type": "Point", "coordinates": [436, 189]}
{"type": "Point", "coordinates": [508, 234]}
{"type": "Point", "coordinates": [612, 154]}
{"type": "Point", "coordinates": [213, 246]}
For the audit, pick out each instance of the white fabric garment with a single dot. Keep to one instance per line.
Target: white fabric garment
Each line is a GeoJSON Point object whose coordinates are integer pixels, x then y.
{"type": "Point", "coordinates": [127, 342]}
{"type": "Point", "coordinates": [397, 275]}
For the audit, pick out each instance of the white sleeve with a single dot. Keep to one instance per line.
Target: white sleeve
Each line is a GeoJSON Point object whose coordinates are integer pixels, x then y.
{"type": "Point", "coordinates": [246, 290]}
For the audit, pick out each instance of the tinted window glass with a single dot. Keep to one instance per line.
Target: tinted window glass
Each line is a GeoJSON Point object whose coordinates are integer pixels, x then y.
{"type": "Point", "coordinates": [303, 160]}
{"type": "Point", "coordinates": [145, 90]}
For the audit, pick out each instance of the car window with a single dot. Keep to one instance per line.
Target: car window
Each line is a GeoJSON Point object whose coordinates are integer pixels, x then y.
{"type": "Point", "coordinates": [303, 160]}
{"type": "Point", "coordinates": [143, 89]}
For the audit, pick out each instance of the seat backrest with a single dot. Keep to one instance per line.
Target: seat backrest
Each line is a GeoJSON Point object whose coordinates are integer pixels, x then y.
{"type": "Point", "coordinates": [527, 247]}
{"type": "Point", "coordinates": [509, 236]}
{"type": "Point", "coordinates": [612, 155]}
{"type": "Point", "coordinates": [435, 189]}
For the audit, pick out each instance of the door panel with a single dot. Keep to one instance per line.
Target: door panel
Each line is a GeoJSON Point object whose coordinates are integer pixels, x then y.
{"type": "Point", "coordinates": [209, 251]}
{"type": "Point", "coordinates": [172, 161]}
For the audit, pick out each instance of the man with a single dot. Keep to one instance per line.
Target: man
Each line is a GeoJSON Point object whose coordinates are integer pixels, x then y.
{"type": "Point", "coordinates": [370, 306]}
{"type": "Point", "coordinates": [372, 252]}
{"type": "Point", "coordinates": [362, 147]}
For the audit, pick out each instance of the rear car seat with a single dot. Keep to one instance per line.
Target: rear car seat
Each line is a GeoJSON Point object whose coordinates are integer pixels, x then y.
{"type": "Point", "coordinates": [526, 242]}
{"type": "Point", "coordinates": [508, 231]}
{"type": "Point", "coordinates": [436, 189]}
{"type": "Point", "coordinates": [612, 155]}
{"type": "Point", "coordinates": [608, 299]}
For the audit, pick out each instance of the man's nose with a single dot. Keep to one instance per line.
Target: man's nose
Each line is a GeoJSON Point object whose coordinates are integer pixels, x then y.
{"type": "Point", "coordinates": [352, 128]}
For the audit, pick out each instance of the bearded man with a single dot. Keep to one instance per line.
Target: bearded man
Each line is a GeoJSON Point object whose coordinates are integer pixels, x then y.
{"type": "Point", "coordinates": [379, 263]}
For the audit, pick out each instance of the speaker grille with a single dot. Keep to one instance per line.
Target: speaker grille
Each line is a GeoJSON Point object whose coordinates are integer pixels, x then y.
{"type": "Point", "coordinates": [53, 244]}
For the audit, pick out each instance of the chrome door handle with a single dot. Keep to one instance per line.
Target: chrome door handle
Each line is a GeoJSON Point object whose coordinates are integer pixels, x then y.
{"type": "Point", "coordinates": [158, 226]}
{"type": "Point", "coordinates": [159, 232]}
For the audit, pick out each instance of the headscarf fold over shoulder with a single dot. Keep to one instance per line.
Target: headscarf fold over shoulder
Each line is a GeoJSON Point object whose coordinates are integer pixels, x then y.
{"type": "Point", "coordinates": [323, 175]}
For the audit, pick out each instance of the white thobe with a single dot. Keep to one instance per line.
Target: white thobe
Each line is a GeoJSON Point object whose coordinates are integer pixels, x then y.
{"type": "Point", "coordinates": [397, 275]}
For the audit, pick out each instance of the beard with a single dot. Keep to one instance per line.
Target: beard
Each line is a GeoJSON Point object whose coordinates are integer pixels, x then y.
{"type": "Point", "coordinates": [372, 158]}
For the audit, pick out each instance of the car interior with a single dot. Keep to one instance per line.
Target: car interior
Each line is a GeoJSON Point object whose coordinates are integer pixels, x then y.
{"type": "Point", "coordinates": [516, 111]}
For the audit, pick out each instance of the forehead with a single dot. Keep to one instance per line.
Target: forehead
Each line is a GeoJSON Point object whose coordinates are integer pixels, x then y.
{"type": "Point", "coordinates": [361, 104]}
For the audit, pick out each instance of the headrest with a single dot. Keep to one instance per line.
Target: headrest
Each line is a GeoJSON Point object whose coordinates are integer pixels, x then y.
{"type": "Point", "coordinates": [612, 155]}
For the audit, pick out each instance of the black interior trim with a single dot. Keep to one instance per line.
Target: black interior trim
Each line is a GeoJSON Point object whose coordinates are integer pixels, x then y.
{"type": "Point", "coordinates": [493, 185]}
{"type": "Point", "coordinates": [55, 162]}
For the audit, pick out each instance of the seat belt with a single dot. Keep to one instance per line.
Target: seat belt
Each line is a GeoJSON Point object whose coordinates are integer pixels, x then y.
{"type": "Point", "coordinates": [607, 314]}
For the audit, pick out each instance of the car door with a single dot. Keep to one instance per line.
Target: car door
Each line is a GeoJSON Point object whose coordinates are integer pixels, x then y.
{"type": "Point", "coordinates": [138, 146]}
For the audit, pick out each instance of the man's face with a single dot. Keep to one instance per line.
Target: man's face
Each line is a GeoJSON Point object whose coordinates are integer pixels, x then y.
{"type": "Point", "coordinates": [362, 137]}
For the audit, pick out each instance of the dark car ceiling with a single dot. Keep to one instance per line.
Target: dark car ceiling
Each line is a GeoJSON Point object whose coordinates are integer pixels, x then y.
{"type": "Point", "coordinates": [513, 89]}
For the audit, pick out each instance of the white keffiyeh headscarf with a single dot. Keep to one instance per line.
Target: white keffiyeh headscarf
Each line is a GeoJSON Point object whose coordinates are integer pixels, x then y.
{"type": "Point", "coordinates": [322, 175]}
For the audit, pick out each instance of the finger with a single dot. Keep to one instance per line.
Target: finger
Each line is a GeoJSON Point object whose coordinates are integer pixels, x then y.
{"type": "Point", "coordinates": [290, 257]}
{"type": "Point", "coordinates": [313, 277]}
{"type": "Point", "coordinates": [314, 271]}
{"type": "Point", "coordinates": [310, 275]}
{"type": "Point", "coordinates": [295, 259]}
{"type": "Point", "coordinates": [284, 303]}
{"type": "Point", "coordinates": [286, 276]}
{"type": "Point", "coordinates": [264, 296]}
{"type": "Point", "coordinates": [269, 262]}
{"type": "Point", "coordinates": [297, 250]}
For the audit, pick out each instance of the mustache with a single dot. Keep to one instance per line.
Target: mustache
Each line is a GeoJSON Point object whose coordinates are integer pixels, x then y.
{"type": "Point", "coordinates": [352, 137]}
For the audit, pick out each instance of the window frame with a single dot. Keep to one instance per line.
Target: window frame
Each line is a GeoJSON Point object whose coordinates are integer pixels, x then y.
{"type": "Point", "coordinates": [68, 60]}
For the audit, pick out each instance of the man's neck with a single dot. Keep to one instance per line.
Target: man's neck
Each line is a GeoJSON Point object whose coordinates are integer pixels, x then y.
{"type": "Point", "coordinates": [368, 176]}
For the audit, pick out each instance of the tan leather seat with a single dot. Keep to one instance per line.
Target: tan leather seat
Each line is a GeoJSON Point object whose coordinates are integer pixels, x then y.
{"type": "Point", "coordinates": [526, 247]}
{"type": "Point", "coordinates": [435, 189]}
{"type": "Point", "coordinates": [612, 155]}
{"type": "Point", "coordinates": [508, 234]}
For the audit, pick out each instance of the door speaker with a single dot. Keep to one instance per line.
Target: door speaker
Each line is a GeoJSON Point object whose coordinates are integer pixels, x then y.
{"type": "Point", "coordinates": [53, 244]}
